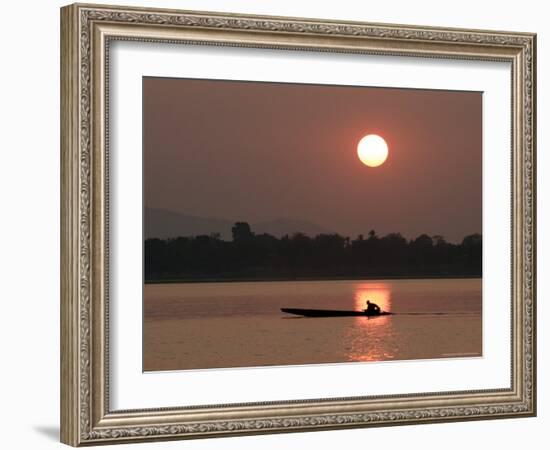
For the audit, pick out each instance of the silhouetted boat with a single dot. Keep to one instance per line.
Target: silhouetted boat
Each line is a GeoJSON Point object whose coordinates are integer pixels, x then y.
{"type": "Point", "coordinates": [331, 313]}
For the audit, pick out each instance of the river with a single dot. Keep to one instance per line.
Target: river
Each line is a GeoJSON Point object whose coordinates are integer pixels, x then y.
{"type": "Point", "coordinates": [239, 324]}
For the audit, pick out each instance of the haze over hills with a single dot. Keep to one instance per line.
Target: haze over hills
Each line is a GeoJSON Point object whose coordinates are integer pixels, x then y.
{"type": "Point", "coordinates": [162, 224]}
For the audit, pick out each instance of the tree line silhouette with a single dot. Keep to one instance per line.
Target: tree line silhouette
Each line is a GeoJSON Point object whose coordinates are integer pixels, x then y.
{"type": "Point", "coordinates": [250, 256]}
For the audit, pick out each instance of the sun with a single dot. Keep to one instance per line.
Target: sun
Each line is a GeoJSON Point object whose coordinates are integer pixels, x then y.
{"type": "Point", "coordinates": [372, 150]}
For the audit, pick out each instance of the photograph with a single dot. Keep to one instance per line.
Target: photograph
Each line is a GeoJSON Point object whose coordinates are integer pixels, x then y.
{"type": "Point", "coordinates": [296, 224]}
{"type": "Point", "coordinates": [292, 222]}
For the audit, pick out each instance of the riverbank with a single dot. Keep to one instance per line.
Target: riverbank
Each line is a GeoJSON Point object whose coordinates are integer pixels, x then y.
{"type": "Point", "coordinates": [328, 278]}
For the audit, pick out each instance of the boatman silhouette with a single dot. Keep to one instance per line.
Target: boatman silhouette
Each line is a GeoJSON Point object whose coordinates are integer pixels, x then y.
{"type": "Point", "coordinates": [372, 308]}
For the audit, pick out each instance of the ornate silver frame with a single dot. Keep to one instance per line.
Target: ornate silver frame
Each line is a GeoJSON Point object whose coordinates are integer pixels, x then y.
{"type": "Point", "coordinates": [86, 31]}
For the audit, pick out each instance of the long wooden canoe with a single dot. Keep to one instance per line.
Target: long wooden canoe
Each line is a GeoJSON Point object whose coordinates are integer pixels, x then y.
{"type": "Point", "coordinates": [331, 313]}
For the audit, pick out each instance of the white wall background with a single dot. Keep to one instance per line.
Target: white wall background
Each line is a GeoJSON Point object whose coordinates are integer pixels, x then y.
{"type": "Point", "coordinates": [29, 222]}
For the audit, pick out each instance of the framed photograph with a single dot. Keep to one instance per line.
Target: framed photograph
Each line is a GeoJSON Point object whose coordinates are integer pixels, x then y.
{"type": "Point", "coordinates": [275, 224]}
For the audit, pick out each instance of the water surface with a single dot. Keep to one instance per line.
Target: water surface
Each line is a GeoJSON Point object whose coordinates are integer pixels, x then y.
{"type": "Point", "coordinates": [239, 324]}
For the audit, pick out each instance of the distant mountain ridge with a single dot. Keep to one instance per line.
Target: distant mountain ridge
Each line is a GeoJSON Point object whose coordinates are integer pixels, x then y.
{"type": "Point", "coordinates": [163, 224]}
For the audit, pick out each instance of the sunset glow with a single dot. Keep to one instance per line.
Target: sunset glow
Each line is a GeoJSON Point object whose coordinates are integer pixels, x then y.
{"type": "Point", "coordinates": [372, 150]}
{"type": "Point", "coordinates": [378, 293]}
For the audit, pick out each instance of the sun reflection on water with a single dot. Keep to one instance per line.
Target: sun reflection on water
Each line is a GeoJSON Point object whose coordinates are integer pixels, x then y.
{"type": "Point", "coordinates": [369, 339]}
{"type": "Point", "coordinates": [379, 293]}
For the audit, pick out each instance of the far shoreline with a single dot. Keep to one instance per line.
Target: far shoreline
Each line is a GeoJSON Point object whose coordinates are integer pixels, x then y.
{"type": "Point", "coordinates": [332, 278]}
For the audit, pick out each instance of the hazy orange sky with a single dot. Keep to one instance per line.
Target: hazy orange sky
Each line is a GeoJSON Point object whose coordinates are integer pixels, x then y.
{"type": "Point", "coordinates": [255, 152]}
